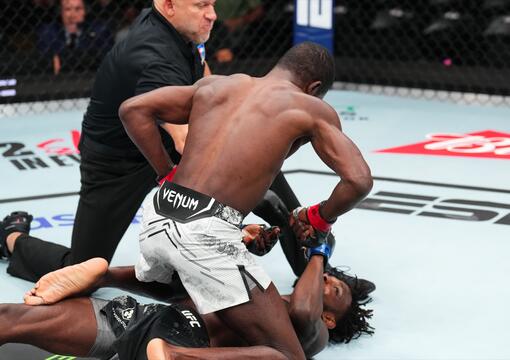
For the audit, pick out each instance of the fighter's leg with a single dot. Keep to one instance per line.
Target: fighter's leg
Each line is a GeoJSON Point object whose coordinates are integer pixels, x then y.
{"type": "Point", "coordinates": [275, 211]}
{"type": "Point", "coordinates": [69, 281]}
{"type": "Point", "coordinates": [263, 322]}
{"type": "Point", "coordinates": [68, 327]}
{"type": "Point", "coordinates": [158, 349]}
{"type": "Point", "coordinates": [110, 196]}
{"type": "Point", "coordinates": [86, 277]}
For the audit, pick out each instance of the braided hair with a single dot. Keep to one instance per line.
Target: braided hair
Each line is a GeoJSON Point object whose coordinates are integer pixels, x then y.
{"type": "Point", "coordinates": [354, 323]}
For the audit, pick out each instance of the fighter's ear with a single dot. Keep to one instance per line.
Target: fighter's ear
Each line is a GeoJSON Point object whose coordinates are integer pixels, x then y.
{"type": "Point", "coordinates": [314, 88]}
{"type": "Point", "coordinates": [329, 319]}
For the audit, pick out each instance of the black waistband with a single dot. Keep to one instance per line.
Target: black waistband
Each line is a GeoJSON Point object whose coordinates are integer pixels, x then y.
{"type": "Point", "coordinates": [184, 205]}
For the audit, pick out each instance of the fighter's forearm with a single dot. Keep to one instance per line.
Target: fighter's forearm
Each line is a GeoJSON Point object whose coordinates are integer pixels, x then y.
{"type": "Point", "coordinates": [345, 159]}
{"type": "Point", "coordinates": [142, 128]}
{"type": "Point", "coordinates": [346, 195]}
{"type": "Point", "coordinates": [306, 299]}
{"type": "Point", "coordinates": [124, 278]}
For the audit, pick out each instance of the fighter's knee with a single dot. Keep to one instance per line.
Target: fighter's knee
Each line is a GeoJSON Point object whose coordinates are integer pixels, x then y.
{"type": "Point", "coordinates": [158, 349]}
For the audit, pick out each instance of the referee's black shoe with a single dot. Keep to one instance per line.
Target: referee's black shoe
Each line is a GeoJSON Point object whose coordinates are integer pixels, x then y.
{"type": "Point", "coordinates": [17, 221]}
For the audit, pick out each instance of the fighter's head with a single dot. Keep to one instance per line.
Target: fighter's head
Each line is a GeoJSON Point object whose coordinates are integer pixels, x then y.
{"type": "Point", "coordinates": [193, 19]}
{"type": "Point", "coordinates": [312, 67]}
{"type": "Point", "coordinates": [343, 314]}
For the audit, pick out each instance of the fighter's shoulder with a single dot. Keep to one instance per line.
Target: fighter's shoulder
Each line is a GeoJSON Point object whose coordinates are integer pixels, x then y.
{"type": "Point", "coordinates": [207, 80]}
{"type": "Point", "coordinates": [223, 80]}
{"type": "Point", "coordinates": [318, 109]}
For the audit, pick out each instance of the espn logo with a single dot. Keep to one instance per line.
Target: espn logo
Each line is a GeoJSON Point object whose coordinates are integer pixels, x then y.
{"type": "Point", "coordinates": [434, 206]}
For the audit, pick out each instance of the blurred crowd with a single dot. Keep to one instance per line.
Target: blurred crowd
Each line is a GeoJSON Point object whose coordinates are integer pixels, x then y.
{"type": "Point", "coordinates": [63, 36]}
{"type": "Point", "coordinates": [399, 42]}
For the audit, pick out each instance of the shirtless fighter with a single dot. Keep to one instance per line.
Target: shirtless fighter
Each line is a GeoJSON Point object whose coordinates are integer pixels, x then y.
{"type": "Point", "coordinates": [192, 224]}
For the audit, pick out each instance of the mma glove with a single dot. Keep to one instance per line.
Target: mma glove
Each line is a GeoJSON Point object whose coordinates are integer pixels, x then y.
{"type": "Point", "coordinates": [168, 177]}
{"type": "Point", "coordinates": [260, 239]}
{"type": "Point", "coordinates": [322, 241]}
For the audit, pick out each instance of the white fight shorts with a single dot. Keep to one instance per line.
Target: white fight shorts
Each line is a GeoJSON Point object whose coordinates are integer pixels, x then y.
{"type": "Point", "coordinates": [191, 233]}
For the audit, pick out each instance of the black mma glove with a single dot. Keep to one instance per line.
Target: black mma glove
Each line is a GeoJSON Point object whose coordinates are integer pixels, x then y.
{"type": "Point", "coordinates": [260, 239]}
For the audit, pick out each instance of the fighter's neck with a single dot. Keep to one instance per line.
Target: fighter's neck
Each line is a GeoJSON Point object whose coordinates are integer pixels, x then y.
{"type": "Point", "coordinates": [284, 76]}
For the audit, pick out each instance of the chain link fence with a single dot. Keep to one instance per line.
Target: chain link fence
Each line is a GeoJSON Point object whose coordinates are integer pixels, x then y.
{"type": "Point", "coordinates": [440, 49]}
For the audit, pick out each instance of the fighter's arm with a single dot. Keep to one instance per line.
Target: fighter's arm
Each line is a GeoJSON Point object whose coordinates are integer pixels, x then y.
{"type": "Point", "coordinates": [306, 306]}
{"type": "Point", "coordinates": [139, 115]}
{"type": "Point", "coordinates": [339, 153]}
{"type": "Point", "coordinates": [179, 132]}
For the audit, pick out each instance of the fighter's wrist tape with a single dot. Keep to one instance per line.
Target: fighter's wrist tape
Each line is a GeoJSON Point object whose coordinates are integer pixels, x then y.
{"type": "Point", "coordinates": [316, 220]}
{"type": "Point", "coordinates": [168, 177]}
{"type": "Point", "coordinates": [322, 249]}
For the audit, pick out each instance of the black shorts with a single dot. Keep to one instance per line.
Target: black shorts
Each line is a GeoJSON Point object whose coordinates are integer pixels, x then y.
{"type": "Point", "coordinates": [125, 327]}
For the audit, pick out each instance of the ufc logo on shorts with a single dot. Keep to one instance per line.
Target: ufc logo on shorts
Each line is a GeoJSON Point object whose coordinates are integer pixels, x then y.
{"type": "Point", "coordinates": [315, 13]}
{"type": "Point", "coordinates": [192, 319]}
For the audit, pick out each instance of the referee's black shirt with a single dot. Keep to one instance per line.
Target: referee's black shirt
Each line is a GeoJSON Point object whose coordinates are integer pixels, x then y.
{"type": "Point", "coordinates": [153, 55]}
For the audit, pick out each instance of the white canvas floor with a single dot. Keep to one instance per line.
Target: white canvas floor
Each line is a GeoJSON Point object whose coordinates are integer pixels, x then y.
{"type": "Point", "coordinates": [434, 234]}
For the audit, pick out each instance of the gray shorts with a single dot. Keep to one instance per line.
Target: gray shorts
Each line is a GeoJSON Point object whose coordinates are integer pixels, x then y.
{"type": "Point", "coordinates": [103, 346]}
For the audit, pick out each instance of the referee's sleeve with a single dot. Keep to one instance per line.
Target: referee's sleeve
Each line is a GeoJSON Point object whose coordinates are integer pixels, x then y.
{"type": "Point", "coordinates": [158, 74]}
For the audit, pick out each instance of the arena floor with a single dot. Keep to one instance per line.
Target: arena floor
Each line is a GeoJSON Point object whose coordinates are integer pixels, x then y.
{"type": "Point", "coordinates": [434, 234]}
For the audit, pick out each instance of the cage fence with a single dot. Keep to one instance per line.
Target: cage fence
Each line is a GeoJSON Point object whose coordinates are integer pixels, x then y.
{"type": "Point", "coordinates": [451, 50]}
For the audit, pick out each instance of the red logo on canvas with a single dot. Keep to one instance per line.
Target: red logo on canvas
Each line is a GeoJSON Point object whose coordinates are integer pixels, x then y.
{"type": "Point", "coordinates": [62, 146]}
{"type": "Point", "coordinates": [484, 144]}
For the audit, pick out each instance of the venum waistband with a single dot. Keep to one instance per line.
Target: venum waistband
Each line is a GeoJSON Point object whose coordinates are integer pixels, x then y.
{"type": "Point", "coordinates": [184, 205]}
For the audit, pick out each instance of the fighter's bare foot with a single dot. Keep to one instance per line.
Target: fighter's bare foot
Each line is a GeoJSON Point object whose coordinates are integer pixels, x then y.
{"type": "Point", "coordinates": [158, 349]}
{"type": "Point", "coordinates": [66, 282]}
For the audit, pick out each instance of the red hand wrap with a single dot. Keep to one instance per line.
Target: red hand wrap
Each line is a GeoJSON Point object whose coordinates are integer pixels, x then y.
{"type": "Point", "coordinates": [316, 220]}
{"type": "Point", "coordinates": [168, 176]}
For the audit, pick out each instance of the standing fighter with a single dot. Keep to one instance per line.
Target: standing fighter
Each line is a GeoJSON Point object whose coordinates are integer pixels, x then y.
{"type": "Point", "coordinates": [192, 224]}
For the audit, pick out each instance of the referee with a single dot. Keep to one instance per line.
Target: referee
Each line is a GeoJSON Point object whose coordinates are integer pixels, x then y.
{"type": "Point", "coordinates": [161, 49]}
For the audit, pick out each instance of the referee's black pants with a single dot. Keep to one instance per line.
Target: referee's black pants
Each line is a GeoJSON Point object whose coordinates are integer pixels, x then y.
{"type": "Point", "coordinates": [112, 190]}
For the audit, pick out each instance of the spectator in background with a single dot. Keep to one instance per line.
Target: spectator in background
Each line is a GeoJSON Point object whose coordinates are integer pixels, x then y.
{"type": "Point", "coordinates": [235, 27]}
{"type": "Point", "coordinates": [43, 10]}
{"type": "Point", "coordinates": [72, 43]}
{"type": "Point", "coordinates": [106, 11]}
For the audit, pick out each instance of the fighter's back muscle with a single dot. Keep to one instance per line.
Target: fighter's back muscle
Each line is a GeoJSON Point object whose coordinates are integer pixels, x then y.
{"type": "Point", "coordinates": [242, 128]}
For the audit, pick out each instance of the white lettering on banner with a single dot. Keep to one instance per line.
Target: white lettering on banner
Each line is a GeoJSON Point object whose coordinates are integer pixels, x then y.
{"type": "Point", "coordinates": [315, 13]}
{"type": "Point", "coordinates": [469, 144]}
{"type": "Point", "coordinates": [179, 200]}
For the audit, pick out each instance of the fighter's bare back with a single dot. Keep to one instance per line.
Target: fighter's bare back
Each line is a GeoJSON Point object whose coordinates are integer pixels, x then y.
{"type": "Point", "coordinates": [241, 129]}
